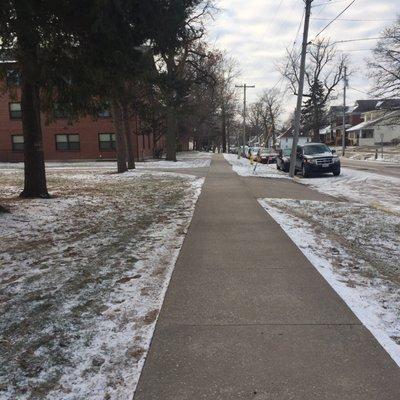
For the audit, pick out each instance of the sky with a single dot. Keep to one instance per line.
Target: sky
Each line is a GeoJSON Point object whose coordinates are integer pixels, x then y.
{"type": "Point", "coordinates": [256, 33]}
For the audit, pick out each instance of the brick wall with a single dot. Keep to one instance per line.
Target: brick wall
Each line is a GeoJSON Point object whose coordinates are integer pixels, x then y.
{"type": "Point", "coordinates": [87, 128]}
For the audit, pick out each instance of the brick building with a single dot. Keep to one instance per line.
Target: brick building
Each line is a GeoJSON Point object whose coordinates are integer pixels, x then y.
{"type": "Point", "coordinates": [86, 139]}
{"type": "Point", "coordinates": [354, 116]}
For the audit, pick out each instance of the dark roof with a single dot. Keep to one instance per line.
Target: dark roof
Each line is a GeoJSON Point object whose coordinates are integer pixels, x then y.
{"type": "Point", "coordinates": [362, 106]}
{"type": "Point", "coordinates": [337, 109]}
{"type": "Point", "coordinates": [388, 104]}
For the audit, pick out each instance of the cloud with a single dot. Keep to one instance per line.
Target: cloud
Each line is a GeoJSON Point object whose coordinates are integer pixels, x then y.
{"type": "Point", "coordinates": [256, 33]}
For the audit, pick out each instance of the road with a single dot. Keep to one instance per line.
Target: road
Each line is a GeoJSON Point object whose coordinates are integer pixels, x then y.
{"type": "Point", "coordinates": [387, 169]}
{"type": "Point", "coordinates": [247, 317]}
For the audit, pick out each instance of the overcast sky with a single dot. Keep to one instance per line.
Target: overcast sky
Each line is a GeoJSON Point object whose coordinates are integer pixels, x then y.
{"type": "Point", "coordinates": [256, 33]}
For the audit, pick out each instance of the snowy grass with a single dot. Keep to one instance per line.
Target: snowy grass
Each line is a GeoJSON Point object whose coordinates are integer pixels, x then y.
{"type": "Point", "coordinates": [83, 276]}
{"type": "Point", "coordinates": [360, 186]}
{"type": "Point", "coordinates": [185, 159]}
{"type": "Point", "coordinates": [356, 249]}
{"type": "Point", "coordinates": [243, 167]}
{"type": "Point", "coordinates": [390, 155]}
{"type": "Point", "coordinates": [379, 191]}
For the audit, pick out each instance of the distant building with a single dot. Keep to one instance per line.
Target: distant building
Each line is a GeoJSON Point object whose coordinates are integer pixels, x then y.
{"type": "Point", "coordinates": [86, 139]}
{"type": "Point", "coordinates": [332, 134]}
{"type": "Point", "coordinates": [354, 116]}
{"type": "Point", "coordinates": [285, 139]}
{"type": "Point", "coordinates": [380, 126]}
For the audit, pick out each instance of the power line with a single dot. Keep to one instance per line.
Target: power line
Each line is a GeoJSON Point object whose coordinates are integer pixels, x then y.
{"type": "Point", "coordinates": [322, 8]}
{"type": "Point", "coordinates": [355, 40]}
{"type": "Point", "coordinates": [330, 23]}
{"type": "Point", "coordinates": [358, 20]}
{"type": "Point", "coordinates": [358, 90]}
{"type": "Point", "coordinates": [291, 51]}
{"type": "Point", "coordinates": [329, 2]}
{"type": "Point", "coordinates": [277, 11]}
{"type": "Point", "coordinates": [351, 50]}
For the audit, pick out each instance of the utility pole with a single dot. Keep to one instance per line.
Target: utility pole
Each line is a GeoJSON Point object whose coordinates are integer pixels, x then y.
{"type": "Point", "coordinates": [245, 87]}
{"type": "Point", "coordinates": [345, 83]}
{"type": "Point", "coordinates": [300, 88]}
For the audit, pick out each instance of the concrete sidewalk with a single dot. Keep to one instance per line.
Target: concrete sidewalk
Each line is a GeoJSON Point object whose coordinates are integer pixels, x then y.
{"type": "Point", "coordinates": [246, 316]}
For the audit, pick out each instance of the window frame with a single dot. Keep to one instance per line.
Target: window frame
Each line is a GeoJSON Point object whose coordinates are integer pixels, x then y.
{"type": "Point", "coordinates": [13, 143]}
{"type": "Point", "coordinates": [113, 143]}
{"type": "Point", "coordinates": [104, 114]}
{"type": "Point", "coordinates": [68, 142]}
{"type": "Point", "coordinates": [367, 133]}
{"type": "Point", "coordinates": [13, 77]}
{"type": "Point", "coordinates": [11, 112]}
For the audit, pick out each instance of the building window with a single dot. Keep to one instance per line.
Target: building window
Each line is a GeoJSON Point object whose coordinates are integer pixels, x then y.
{"type": "Point", "coordinates": [60, 112]}
{"type": "Point", "coordinates": [367, 133]}
{"type": "Point", "coordinates": [104, 114]}
{"type": "Point", "coordinates": [107, 141]}
{"type": "Point", "coordinates": [17, 142]}
{"type": "Point", "coordinates": [67, 142]}
{"type": "Point", "coordinates": [13, 77]}
{"type": "Point", "coordinates": [15, 110]}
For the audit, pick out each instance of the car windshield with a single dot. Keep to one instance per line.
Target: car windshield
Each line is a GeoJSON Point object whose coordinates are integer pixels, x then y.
{"type": "Point", "coordinates": [316, 149]}
{"type": "Point", "coordinates": [286, 152]}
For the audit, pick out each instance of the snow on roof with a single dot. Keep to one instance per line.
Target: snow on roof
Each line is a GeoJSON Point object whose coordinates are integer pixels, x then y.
{"type": "Point", "coordinates": [325, 130]}
{"type": "Point", "coordinates": [372, 122]}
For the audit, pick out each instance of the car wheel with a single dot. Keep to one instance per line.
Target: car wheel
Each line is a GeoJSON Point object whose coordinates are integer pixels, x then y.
{"type": "Point", "coordinates": [304, 171]}
{"type": "Point", "coordinates": [336, 172]}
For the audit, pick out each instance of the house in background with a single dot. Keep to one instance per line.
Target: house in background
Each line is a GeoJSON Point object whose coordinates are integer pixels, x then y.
{"type": "Point", "coordinates": [380, 126]}
{"type": "Point", "coordinates": [332, 134]}
{"type": "Point", "coordinates": [285, 139]}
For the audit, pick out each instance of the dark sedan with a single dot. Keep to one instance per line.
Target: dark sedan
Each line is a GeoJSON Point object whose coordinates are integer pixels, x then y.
{"type": "Point", "coordinates": [267, 156]}
{"type": "Point", "coordinates": [283, 160]}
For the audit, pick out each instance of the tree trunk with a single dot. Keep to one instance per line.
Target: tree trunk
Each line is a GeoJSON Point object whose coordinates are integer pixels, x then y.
{"type": "Point", "coordinates": [119, 137]}
{"type": "Point", "coordinates": [223, 130]}
{"type": "Point", "coordinates": [171, 134]}
{"type": "Point", "coordinates": [228, 131]}
{"type": "Point", "coordinates": [316, 138]}
{"type": "Point", "coordinates": [35, 174]}
{"type": "Point", "coordinates": [128, 138]}
{"type": "Point", "coordinates": [273, 132]}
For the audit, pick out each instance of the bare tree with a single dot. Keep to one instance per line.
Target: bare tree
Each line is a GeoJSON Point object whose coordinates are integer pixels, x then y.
{"type": "Point", "coordinates": [185, 24]}
{"type": "Point", "coordinates": [227, 72]}
{"type": "Point", "coordinates": [255, 121]}
{"type": "Point", "coordinates": [266, 112]}
{"type": "Point", "coordinates": [271, 101]}
{"type": "Point", "coordinates": [385, 65]}
{"type": "Point", "coordinates": [324, 70]}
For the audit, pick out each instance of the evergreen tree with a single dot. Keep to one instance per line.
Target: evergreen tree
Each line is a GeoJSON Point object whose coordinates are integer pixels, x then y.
{"type": "Point", "coordinates": [313, 110]}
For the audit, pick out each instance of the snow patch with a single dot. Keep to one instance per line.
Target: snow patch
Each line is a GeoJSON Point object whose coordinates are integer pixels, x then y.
{"type": "Point", "coordinates": [368, 287]}
{"type": "Point", "coordinates": [243, 167]}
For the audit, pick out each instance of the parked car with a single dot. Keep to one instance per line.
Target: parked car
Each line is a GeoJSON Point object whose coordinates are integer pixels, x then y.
{"type": "Point", "coordinates": [246, 151]}
{"type": "Point", "coordinates": [283, 160]}
{"type": "Point", "coordinates": [233, 149]}
{"type": "Point", "coordinates": [316, 158]}
{"type": "Point", "coordinates": [267, 156]}
{"type": "Point", "coordinates": [253, 152]}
